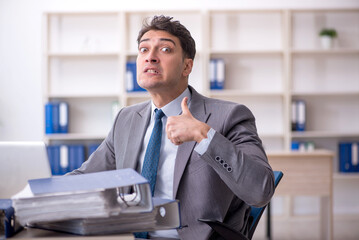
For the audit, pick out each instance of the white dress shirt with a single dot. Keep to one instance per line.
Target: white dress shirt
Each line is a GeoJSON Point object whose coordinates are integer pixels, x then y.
{"type": "Point", "coordinates": [165, 170]}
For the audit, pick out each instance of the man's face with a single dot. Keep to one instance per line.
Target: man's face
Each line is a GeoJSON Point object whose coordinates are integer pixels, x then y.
{"type": "Point", "coordinates": [161, 67]}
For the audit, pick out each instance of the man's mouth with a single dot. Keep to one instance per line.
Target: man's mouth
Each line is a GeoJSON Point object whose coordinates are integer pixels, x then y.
{"type": "Point", "coordinates": [151, 70]}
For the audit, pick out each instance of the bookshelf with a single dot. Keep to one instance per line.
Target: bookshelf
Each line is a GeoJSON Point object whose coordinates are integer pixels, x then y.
{"type": "Point", "coordinates": [327, 80]}
{"type": "Point", "coordinates": [272, 57]}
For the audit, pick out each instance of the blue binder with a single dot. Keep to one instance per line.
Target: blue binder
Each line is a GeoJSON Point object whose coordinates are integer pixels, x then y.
{"type": "Point", "coordinates": [348, 157]}
{"type": "Point", "coordinates": [76, 156]}
{"type": "Point", "coordinates": [48, 118]}
{"type": "Point", "coordinates": [56, 117]}
{"type": "Point", "coordinates": [131, 78]}
{"type": "Point", "coordinates": [53, 153]}
{"type": "Point", "coordinates": [63, 117]}
{"type": "Point", "coordinates": [65, 158]}
{"type": "Point", "coordinates": [87, 182]}
{"type": "Point", "coordinates": [8, 225]}
{"type": "Point", "coordinates": [301, 116]}
{"type": "Point", "coordinates": [217, 73]}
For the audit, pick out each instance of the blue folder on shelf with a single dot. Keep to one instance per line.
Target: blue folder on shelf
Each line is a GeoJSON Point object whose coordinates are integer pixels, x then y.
{"type": "Point", "coordinates": [348, 157]}
{"type": "Point", "coordinates": [217, 73]}
{"type": "Point", "coordinates": [131, 78]}
{"type": "Point", "coordinates": [65, 158]}
{"type": "Point", "coordinates": [56, 117]}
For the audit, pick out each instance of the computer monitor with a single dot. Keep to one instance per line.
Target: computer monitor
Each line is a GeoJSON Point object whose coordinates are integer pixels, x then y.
{"type": "Point", "coordinates": [19, 162]}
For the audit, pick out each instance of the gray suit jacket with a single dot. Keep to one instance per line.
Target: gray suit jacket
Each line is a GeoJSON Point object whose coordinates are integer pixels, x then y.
{"type": "Point", "coordinates": [221, 184]}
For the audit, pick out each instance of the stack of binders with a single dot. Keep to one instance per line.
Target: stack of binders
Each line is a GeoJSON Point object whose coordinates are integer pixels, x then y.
{"type": "Point", "coordinates": [165, 215]}
{"type": "Point", "coordinates": [117, 201]}
{"type": "Point", "coordinates": [131, 78]}
{"type": "Point", "coordinates": [298, 115]}
{"type": "Point", "coordinates": [56, 117]}
{"type": "Point", "coordinates": [217, 73]}
{"type": "Point", "coordinates": [65, 158]}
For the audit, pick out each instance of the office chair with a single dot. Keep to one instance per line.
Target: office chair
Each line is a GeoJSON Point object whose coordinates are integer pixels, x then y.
{"type": "Point", "coordinates": [230, 234]}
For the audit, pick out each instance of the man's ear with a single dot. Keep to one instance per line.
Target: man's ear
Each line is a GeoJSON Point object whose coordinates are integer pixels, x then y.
{"type": "Point", "coordinates": [188, 64]}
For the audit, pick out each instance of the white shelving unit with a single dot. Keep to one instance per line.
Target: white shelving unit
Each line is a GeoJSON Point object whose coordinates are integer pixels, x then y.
{"type": "Point", "coordinates": [255, 66]}
{"type": "Point", "coordinates": [272, 57]}
{"type": "Point", "coordinates": [327, 80]}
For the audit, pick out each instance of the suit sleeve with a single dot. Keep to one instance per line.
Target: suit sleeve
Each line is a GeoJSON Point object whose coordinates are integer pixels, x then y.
{"type": "Point", "coordinates": [237, 155]}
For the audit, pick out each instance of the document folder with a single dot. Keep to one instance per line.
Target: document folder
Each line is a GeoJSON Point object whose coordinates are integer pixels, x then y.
{"type": "Point", "coordinates": [93, 195]}
{"type": "Point", "coordinates": [165, 215]}
{"type": "Point", "coordinates": [8, 224]}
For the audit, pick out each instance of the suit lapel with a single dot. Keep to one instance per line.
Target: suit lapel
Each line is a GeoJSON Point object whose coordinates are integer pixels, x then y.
{"type": "Point", "coordinates": [137, 131]}
{"type": "Point", "coordinates": [198, 110]}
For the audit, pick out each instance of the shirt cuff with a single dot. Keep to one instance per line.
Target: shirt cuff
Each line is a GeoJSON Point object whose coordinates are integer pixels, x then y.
{"type": "Point", "coordinates": [203, 145]}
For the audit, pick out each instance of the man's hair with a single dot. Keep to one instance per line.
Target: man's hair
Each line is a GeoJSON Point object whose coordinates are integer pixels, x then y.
{"type": "Point", "coordinates": [164, 23]}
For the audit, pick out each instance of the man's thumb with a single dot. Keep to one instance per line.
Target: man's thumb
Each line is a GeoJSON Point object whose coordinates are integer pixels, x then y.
{"type": "Point", "coordinates": [184, 106]}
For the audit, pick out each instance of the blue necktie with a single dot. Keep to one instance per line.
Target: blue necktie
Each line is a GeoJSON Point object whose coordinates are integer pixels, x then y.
{"type": "Point", "coordinates": [150, 163]}
{"type": "Point", "coordinates": [152, 155]}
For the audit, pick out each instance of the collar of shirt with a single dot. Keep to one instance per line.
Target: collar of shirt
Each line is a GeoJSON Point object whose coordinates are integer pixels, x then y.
{"type": "Point", "coordinates": [174, 108]}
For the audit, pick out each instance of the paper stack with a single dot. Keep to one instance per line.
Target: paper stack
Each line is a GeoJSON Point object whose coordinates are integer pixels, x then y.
{"type": "Point", "coordinates": [117, 201]}
{"type": "Point", "coordinates": [165, 215]}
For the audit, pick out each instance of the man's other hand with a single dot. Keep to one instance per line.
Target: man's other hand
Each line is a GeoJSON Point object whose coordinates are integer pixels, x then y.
{"type": "Point", "coordinates": [185, 127]}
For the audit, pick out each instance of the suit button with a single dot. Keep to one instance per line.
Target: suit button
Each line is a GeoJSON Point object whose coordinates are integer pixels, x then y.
{"type": "Point", "coordinates": [225, 165]}
{"type": "Point", "coordinates": [217, 158]}
{"type": "Point", "coordinates": [221, 161]}
{"type": "Point", "coordinates": [229, 169]}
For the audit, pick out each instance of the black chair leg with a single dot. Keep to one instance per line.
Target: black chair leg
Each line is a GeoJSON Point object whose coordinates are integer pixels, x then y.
{"type": "Point", "coordinates": [269, 237]}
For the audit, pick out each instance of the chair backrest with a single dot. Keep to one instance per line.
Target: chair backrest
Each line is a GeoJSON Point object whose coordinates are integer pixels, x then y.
{"type": "Point", "coordinates": [256, 213]}
{"type": "Point", "coordinates": [227, 232]}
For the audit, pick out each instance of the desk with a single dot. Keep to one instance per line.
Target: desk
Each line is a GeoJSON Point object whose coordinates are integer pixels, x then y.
{"type": "Point", "coordinates": [32, 233]}
{"type": "Point", "coordinates": [308, 173]}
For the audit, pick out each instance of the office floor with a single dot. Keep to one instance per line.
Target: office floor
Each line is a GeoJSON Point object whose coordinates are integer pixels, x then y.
{"type": "Point", "coordinates": [308, 228]}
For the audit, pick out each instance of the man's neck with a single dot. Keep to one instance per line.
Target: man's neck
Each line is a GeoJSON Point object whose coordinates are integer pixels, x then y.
{"type": "Point", "coordinates": [162, 99]}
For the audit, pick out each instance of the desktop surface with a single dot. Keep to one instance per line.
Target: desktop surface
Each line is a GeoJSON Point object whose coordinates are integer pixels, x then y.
{"type": "Point", "coordinates": [33, 233]}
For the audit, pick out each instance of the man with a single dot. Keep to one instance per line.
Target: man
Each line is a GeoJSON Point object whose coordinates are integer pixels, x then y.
{"type": "Point", "coordinates": [210, 156]}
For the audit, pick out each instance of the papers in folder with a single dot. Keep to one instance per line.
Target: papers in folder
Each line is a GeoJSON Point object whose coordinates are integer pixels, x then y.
{"type": "Point", "coordinates": [165, 215]}
{"type": "Point", "coordinates": [115, 201]}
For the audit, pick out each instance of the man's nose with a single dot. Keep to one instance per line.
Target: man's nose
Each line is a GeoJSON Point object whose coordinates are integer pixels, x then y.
{"type": "Point", "coordinates": [152, 57]}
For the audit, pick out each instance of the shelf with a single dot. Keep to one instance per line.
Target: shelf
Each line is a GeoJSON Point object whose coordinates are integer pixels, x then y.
{"type": "Point", "coordinates": [325, 51]}
{"type": "Point", "coordinates": [326, 93]}
{"type": "Point", "coordinates": [346, 176]}
{"type": "Point", "coordinates": [244, 51]}
{"type": "Point", "coordinates": [240, 93]}
{"type": "Point", "coordinates": [317, 152]}
{"type": "Point", "coordinates": [83, 54]}
{"type": "Point", "coordinates": [109, 95]}
{"type": "Point", "coordinates": [75, 136]}
{"type": "Point", "coordinates": [324, 134]}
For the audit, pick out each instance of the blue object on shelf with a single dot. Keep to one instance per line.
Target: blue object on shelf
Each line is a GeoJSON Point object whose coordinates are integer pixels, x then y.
{"type": "Point", "coordinates": [348, 157]}
{"type": "Point", "coordinates": [131, 78]}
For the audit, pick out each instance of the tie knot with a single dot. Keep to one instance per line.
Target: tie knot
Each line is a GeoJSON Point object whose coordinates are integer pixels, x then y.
{"type": "Point", "coordinates": [158, 114]}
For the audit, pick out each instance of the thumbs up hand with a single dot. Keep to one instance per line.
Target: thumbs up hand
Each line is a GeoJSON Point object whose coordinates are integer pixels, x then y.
{"type": "Point", "coordinates": [185, 127]}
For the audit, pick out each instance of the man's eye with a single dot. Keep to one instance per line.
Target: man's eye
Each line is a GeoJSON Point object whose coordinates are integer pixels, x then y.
{"type": "Point", "coordinates": [165, 49]}
{"type": "Point", "coordinates": [142, 49]}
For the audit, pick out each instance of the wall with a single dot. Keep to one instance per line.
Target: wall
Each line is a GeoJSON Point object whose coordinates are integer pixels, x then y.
{"type": "Point", "coordinates": [21, 113]}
